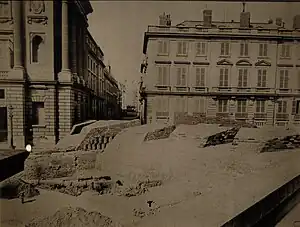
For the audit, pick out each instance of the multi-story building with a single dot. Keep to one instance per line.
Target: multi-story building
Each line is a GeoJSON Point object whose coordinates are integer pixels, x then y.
{"type": "Point", "coordinates": [51, 71]}
{"type": "Point", "coordinates": [239, 70]}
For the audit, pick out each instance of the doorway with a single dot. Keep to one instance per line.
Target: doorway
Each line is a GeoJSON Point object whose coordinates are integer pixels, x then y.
{"type": "Point", "coordinates": [3, 125]}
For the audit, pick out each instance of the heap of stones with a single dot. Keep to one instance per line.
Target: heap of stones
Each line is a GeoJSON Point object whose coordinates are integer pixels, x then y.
{"type": "Point", "coordinates": [160, 133]}
{"type": "Point", "coordinates": [201, 118]}
{"type": "Point", "coordinates": [222, 137]}
{"type": "Point", "coordinates": [276, 144]}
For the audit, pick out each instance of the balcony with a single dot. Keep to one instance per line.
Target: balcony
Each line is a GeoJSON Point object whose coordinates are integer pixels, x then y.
{"type": "Point", "coordinates": [284, 90]}
{"type": "Point", "coordinates": [259, 123]}
{"type": "Point", "coordinates": [163, 87]}
{"type": "Point", "coordinates": [260, 116]}
{"type": "Point", "coordinates": [221, 89]}
{"type": "Point", "coordinates": [241, 116]}
{"type": "Point", "coordinates": [243, 89]}
{"type": "Point", "coordinates": [282, 117]}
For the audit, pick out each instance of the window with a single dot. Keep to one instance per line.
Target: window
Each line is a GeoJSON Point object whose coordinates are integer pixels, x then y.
{"type": "Point", "coordinates": [224, 76]}
{"type": "Point", "coordinates": [283, 79]}
{"type": "Point", "coordinates": [285, 51]}
{"type": "Point", "coordinates": [200, 77]}
{"type": "Point", "coordinates": [242, 106]}
{"type": "Point", "coordinates": [36, 42]}
{"type": "Point", "coordinates": [262, 78]}
{"type": "Point", "coordinates": [224, 49]}
{"type": "Point", "coordinates": [162, 107]}
{"type": "Point", "coordinates": [182, 48]}
{"type": "Point", "coordinates": [295, 107]}
{"type": "Point", "coordinates": [181, 76]}
{"type": "Point", "coordinates": [11, 56]}
{"type": "Point", "coordinates": [38, 113]}
{"type": "Point", "coordinates": [223, 106]}
{"type": "Point", "coordinates": [163, 47]}
{"type": "Point", "coordinates": [260, 106]}
{"type": "Point", "coordinates": [282, 107]}
{"type": "Point", "coordinates": [2, 94]}
{"type": "Point", "coordinates": [181, 105]}
{"type": "Point", "coordinates": [163, 75]}
{"type": "Point", "coordinates": [263, 50]}
{"type": "Point", "coordinates": [200, 49]}
{"type": "Point", "coordinates": [242, 79]}
{"type": "Point", "coordinates": [298, 79]}
{"type": "Point", "coordinates": [199, 105]}
{"type": "Point", "coordinates": [244, 49]}
{"type": "Point", "coordinates": [4, 9]}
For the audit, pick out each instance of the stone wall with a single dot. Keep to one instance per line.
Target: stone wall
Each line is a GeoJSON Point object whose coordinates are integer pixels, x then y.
{"type": "Point", "coordinates": [65, 98]}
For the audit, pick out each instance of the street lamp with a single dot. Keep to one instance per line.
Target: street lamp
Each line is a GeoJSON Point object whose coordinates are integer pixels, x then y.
{"type": "Point", "coordinates": [10, 108]}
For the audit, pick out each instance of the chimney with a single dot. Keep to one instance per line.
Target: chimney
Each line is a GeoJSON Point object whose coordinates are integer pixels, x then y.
{"type": "Point", "coordinates": [165, 20]}
{"type": "Point", "coordinates": [278, 21]}
{"type": "Point", "coordinates": [207, 17]}
{"type": "Point", "coordinates": [296, 22]}
{"type": "Point", "coordinates": [245, 19]}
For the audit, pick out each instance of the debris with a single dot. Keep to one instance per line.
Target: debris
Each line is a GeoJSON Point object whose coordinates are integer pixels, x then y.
{"type": "Point", "coordinates": [276, 144]}
{"type": "Point", "coordinates": [222, 137]}
{"type": "Point", "coordinates": [160, 133]}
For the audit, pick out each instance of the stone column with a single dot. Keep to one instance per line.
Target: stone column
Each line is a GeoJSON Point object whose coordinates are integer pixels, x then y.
{"type": "Point", "coordinates": [74, 49]}
{"type": "Point", "coordinates": [65, 74]}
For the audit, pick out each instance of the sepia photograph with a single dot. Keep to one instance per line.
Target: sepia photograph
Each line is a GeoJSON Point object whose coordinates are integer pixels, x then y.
{"type": "Point", "coordinates": [149, 113]}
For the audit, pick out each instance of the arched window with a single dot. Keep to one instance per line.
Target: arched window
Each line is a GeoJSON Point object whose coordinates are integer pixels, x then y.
{"type": "Point", "coordinates": [36, 42]}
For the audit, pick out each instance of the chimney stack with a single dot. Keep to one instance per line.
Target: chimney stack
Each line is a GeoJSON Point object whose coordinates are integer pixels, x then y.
{"type": "Point", "coordinates": [165, 20]}
{"type": "Point", "coordinates": [207, 17]}
{"type": "Point", "coordinates": [279, 21]}
{"type": "Point", "coordinates": [245, 20]}
{"type": "Point", "coordinates": [296, 22]}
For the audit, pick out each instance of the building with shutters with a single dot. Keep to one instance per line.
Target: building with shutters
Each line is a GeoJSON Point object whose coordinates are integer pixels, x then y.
{"type": "Point", "coordinates": [52, 74]}
{"type": "Point", "coordinates": [238, 69]}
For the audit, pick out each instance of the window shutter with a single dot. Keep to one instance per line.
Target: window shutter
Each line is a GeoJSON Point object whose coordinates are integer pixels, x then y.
{"type": "Point", "coordinates": [246, 49]}
{"type": "Point", "coordinates": [203, 48]}
{"type": "Point", "coordinates": [160, 74]}
{"type": "Point", "coordinates": [202, 83]}
{"type": "Point", "coordinates": [245, 78]}
{"type": "Point", "coordinates": [242, 49]}
{"type": "Point", "coordinates": [179, 51]}
{"type": "Point", "coordinates": [222, 48]}
{"type": "Point", "coordinates": [240, 79]}
{"type": "Point", "coordinates": [160, 47]}
{"type": "Point", "coordinates": [294, 107]}
{"type": "Point", "coordinates": [198, 76]}
{"type": "Point", "coordinates": [226, 78]}
{"type": "Point", "coordinates": [265, 49]}
{"type": "Point", "coordinates": [221, 77]}
{"type": "Point", "coordinates": [178, 76]}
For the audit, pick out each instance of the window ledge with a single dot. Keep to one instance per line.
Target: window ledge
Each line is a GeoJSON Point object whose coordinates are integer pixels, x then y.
{"type": "Point", "coordinates": [181, 55]}
{"type": "Point", "coordinates": [224, 56]}
{"type": "Point", "coordinates": [285, 58]}
{"type": "Point", "coordinates": [263, 57]}
{"type": "Point", "coordinates": [244, 56]}
{"type": "Point", "coordinates": [38, 126]}
{"type": "Point", "coordinates": [162, 54]}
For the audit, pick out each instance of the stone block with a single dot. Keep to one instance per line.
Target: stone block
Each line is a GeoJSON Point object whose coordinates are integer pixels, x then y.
{"type": "Point", "coordinates": [85, 160]}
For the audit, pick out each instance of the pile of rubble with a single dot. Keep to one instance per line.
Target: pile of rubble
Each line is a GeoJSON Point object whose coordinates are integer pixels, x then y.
{"type": "Point", "coordinates": [276, 144]}
{"type": "Point", "coordinates": [17, 188]}
{"type": "Point", "coordinates": [201, 118]}
{"type": "Point", "coordinates": [222, 137]}
{"type": "Point", "coordinates": [160, 133]}
{"type": "Point", "coordinates": [69, 217]}
{"type": "Point", "coordinates": [141, 188]}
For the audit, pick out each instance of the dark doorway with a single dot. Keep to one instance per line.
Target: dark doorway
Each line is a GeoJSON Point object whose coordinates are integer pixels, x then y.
{"type": "Point", "coordinates": [3, 124]}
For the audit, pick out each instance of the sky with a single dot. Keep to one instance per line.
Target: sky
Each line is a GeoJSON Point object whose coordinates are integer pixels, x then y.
{"type": "Point", "coordinates": [118, 27]}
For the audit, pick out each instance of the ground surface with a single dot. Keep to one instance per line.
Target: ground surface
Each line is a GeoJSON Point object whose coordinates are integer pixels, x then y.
{"type": "Point", "coordinates": [200, 186]}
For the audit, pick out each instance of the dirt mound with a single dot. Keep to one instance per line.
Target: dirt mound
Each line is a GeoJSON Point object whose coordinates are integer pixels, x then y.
{"type": "Point", "coordinates": [222, 137]}
{"type": "Point", "coordinates": [162, 133]}
{"type": "Point", "coordinates": [276, 144]}
{"type": "Point", "coordinates": [70, 217]}
{"type": "Point", "coordinates": [141, 188]}
{"type": "Point", "coordinates": [17, 188]}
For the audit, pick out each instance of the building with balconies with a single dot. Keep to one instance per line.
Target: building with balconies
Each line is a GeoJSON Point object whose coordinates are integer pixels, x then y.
{"type": "Point", "coordinates": [239, 70]}
{"type": "Point", "coordinates": [51, 71]}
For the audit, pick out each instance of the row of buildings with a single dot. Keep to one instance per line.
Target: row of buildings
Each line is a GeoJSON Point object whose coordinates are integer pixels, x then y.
{"type": "Point", "coordinates": [52, 72]}
{"type": "Point", "coordinates": [238, 69]}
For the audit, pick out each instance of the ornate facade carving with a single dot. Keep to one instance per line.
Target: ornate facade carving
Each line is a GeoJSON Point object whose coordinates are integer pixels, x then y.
{"type": "Point", "coordinates": [37, 6]}
{"type": "Point", "coordinates": [37, 19]}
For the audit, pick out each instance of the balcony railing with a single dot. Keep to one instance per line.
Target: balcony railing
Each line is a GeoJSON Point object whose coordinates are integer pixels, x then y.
{"type": "Point", "coordinates": [282, 116]}
{"type": "Point", "coordinates": [3, 75]}
{"type": "Point", "coordinates": [241, 115]}
{"type": "Point", "coordinates": [260, 116]}
{"type": "Point", "coordinates": [259, 123]}
{"type": "Point", "coordinates": [217, 31]}
{"type": "Point", "coordinates": [224, 115]}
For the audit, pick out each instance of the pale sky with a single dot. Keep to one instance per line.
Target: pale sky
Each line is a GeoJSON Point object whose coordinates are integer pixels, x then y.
{"type": "Point", "coordinates": [118, 27]}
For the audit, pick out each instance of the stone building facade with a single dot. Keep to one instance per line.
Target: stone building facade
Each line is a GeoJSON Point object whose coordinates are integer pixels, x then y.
{"type": "Point", "coordinates": [239, 70]}
{"type": "Point", "coordinates": [51, 71]}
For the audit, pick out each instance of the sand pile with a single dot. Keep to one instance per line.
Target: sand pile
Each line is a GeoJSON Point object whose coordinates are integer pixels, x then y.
{"type": "Point", "coordinates": [162, 133]}
{"type": "Point", "coordinates": [71, 217]}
